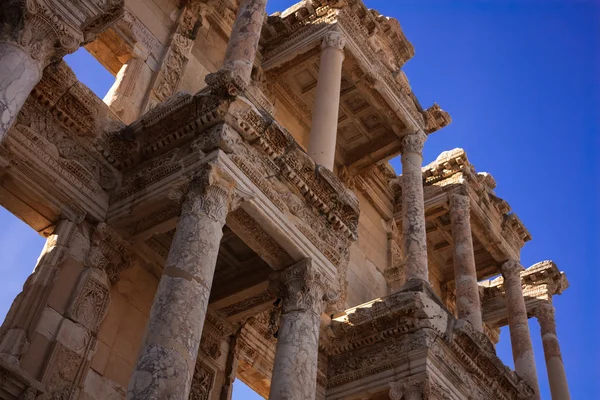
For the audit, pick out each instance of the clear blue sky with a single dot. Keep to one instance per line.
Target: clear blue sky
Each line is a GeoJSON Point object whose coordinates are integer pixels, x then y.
{"type": "Point", "coordinates": [522, 82]}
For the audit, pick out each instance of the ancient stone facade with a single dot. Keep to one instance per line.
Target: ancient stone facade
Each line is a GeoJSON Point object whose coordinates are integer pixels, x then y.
{"type": "Point", "coordinates": [228, 212]}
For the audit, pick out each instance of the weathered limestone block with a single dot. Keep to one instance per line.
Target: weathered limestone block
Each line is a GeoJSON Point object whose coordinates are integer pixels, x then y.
{"type": "Point", "coordinates": [468, 305]}
{"type": "Point", "coordinates": [554, 362]}
{"type": "Point", "coordinates": [166, 363]}
{"type": "Point", "coordinates": [519, 325]}
{"type": "Point", "coordinates": [305, 293]}
{"type": "Point", "coordinates": [413, 208]}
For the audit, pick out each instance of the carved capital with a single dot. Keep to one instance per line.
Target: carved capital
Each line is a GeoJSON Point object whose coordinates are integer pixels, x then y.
{"type": "Point", "coordinates": [459, 202]}
{"type": "Point", "coordinates": [414, 143]}
{"type": "Point", "coordinates": [512, 270]}
{"type": "Point", "coordinates": [304, 288]}
{"type": "Point", "coordinates": [51, 29]}
{"type": "Point", "coordinates": [545, 316]}
{"type": "Point", "coordinates": [109, 252]}
{"type": "Point", "coordinates": [408, 390]}
{"type": "Point", "coordinates": [209, 193]}
{"type": "Point", "coordinates": [333, 39]}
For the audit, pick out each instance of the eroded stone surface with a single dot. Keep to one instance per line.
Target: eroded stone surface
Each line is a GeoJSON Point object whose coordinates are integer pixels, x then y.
{"type": "Point", "coordinates": [413, 208]}
{"type": "Point", "coordinates": [554, 362]}
{"type": "Point", "coordinates": [167, 360]}
{"type": "Point", "coordinates": [468, 305]}
{"type": "Point", "coordinates": [19, 73]}
{"type": "Point", "coordinates": [519, 325]}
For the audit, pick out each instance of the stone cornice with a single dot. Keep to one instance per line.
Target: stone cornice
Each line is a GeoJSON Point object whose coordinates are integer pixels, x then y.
{"type": "Point", "coordinates": [540, 282]}
{"type": "Point", "coordinates": [376, 42]}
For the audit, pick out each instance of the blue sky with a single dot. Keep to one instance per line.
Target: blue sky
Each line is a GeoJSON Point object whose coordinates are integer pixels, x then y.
{"type": "Point", "coordinates": [521, 80]}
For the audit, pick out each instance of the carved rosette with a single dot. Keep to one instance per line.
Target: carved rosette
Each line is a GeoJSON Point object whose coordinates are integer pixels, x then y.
{"type": "Point", "coordinates": [304, 288]}
{"type": "Point", "coordinates": [414, 143]}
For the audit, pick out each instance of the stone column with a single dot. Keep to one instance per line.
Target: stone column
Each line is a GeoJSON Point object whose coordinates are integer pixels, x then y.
{"type": "Point", "coordinates": [167, 359]}
{"type": "Point", "coordinates": [305, 293]}
{"type": "Point", "coordinates": [33, 36]}
{"type": "Point", "coordinates": [468, 306]}
{"type": "Point", "coordinates": [323, 131]}
{"type": "Point", "coordinates": [554, 363]}
{"type": "Point", "coordinates": [126, 95]}
{"type": "Point", "coordinates": [519, 325]}
{"type": "Point", "coordinates": [413, 208]}
{"type": "Point", "coordinates": [19, 73]}
{"type": "Point", "coordinates": [242, 46]}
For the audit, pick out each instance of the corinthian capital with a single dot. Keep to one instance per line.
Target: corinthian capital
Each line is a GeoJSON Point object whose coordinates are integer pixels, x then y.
{"type": "Point", "coordinates": [545, 316]}
{"type": "Point", "coordinates": [305, 288]}
{"type": "Point", "coordinates": [49, 29]}
{"type": "Point", "coordinates": [512, 269]}
{"type": "Point", "coordinates": [414, 143]}
{"type": "Point", "coordinates": [209, 193]}
{"type": "Point", "coordinates": [459, 202]}
{"type": "Point", "coordinates": [333, 39]}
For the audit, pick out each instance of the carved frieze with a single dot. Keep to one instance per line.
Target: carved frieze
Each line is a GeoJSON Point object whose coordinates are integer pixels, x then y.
{"type": "Point", "coordinates": [202, 381]}
{"type": "Point", "coordinates": [90, 303]}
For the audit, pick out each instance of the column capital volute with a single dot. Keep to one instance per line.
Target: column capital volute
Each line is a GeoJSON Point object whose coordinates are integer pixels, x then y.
{"type": "Point", "coordinates": [209, 192]}
{"type": "Point", "coordinates": [460, 202]}
{"type": "Point", "coordinates": [303, 287]}
{"type": "Point", "coordinates": [414, 143]}
{"type": "Point", "coordinates": [545, 314]}
{"type": "Point", "coordinates": [333, 39]}
{"type": "Point", "coordinates": [512, 269]}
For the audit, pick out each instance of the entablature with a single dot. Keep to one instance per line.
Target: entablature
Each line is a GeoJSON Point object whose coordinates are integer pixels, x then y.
{"type": "Point", "coordinates": [377, 106]}
{"type": "Point", "coordinates": [540, 282]}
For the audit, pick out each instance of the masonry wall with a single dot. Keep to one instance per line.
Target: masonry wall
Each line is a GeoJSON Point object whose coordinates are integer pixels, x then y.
{"type": "Point", "coordinates": [368, 257]}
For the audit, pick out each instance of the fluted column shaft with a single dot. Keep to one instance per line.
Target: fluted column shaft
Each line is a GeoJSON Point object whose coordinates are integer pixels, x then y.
{"type": "Point", "coordinates": [243, 42]}
{"type": "Point", "coordinates": [304, 293]}
{"type": "Point", "coordinates": [166, 362]}
{"type": "Point", "coordinates": [518, 324]}
{"type": "Point", "coordinates": [554, 363]}
{"type": "Point", "coordinates": [323, 131]}
{"type": "Point", "coordinates": [468, 306]}
{"type": "Point", "coordinates": [413, 208]}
